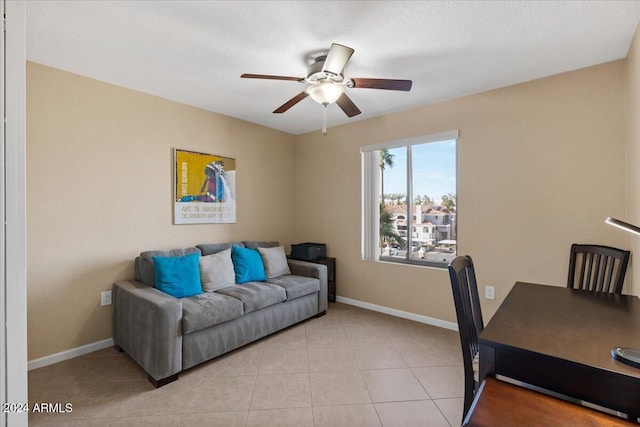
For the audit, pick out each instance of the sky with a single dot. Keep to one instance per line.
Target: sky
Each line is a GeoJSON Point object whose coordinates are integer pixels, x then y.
{"type": "Point", "coordinates": [434, 170]}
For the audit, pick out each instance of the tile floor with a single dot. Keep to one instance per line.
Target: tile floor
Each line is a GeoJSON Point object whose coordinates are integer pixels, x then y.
{"type": "Point", "coordinates": [351, 368]}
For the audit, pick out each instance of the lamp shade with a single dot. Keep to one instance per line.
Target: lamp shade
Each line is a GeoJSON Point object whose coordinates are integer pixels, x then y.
{"type": "Point", "coordinates": [325, 92]}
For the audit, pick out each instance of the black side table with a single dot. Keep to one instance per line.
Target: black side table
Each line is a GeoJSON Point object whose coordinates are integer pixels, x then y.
{"type": "Point", "coordinates": [331, 275]}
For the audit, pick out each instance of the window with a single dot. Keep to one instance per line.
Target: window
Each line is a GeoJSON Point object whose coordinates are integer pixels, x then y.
{"type": "Point", "coordinates": [410, 185]}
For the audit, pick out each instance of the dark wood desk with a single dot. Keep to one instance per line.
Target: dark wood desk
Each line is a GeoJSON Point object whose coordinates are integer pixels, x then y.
{"type": "Point", "coordinates": [498, 403]}
{"type": "Point", "coordinates": [560, 339]}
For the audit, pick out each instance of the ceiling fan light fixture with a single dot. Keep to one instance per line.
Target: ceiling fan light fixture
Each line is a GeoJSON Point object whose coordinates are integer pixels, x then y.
{"type": "Point", "coordinates": [325, 92]}
{"type": "Point", "coordinates": [327, 82]}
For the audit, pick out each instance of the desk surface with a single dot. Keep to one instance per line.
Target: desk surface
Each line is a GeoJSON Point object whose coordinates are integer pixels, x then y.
{"type": "Point", "coordinates": [568, 324]}
{"type": "Point", "coordinates": [560, 339]}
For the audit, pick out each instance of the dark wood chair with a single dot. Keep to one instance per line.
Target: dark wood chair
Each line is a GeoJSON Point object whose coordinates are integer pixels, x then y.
{"type": "Point", "coordinates": [470, 323]}
{"type": "Point", "coordinates": [597, 268]}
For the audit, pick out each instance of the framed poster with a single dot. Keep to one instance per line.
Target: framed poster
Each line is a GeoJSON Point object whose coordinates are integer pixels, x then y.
{"type": "Point", "coordinates": [205, 188]}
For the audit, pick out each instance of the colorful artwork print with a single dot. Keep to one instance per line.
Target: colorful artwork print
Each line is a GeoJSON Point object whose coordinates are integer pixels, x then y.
{"type": "Point", "coordinates": [204, 188]}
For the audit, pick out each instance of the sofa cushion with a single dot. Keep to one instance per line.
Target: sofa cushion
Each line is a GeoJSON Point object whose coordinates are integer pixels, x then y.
{"type": "Point", "coordinates": [213, 248]}
{"type": "Point", "coordinates": [216, 271]}
{"type": "Point", "coordinates": [255, 295]}
{"type": "Point", "coordinates": [296, 286]}
{"type": "Point", "coordinates": [208, 309]}
{"type": "Point", "coordinates": [254, 244]}
{"type": "Point", "coordinates": [275, 261]}
{"type": "Point", "coordinates": [145, 271]}
{"type": "Point", "coordinates": [247, 264]}
{"type": "Point", "coordinates": [178, 276]}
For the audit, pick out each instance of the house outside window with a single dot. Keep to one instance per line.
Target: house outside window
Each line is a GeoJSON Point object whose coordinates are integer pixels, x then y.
{"type": "Point", "coordinates": [410, 185]}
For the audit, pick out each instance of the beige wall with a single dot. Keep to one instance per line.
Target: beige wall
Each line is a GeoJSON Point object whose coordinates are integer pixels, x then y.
{"type": "Point", "coordinates": [632, 86]}
{"type": "Point", "coordinates": [541, 165]}
{"type": "Point", "coordinates": [99, 184]}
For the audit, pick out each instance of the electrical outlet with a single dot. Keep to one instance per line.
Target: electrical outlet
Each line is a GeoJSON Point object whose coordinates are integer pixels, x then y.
{"type": "Point", "coordinates": [105, 298]}
{"type": "Point", "coordinates": [489, 292]}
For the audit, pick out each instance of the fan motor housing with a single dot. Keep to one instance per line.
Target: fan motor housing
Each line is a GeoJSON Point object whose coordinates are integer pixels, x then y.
{"type": "Point", "coordinates": [315, 73]}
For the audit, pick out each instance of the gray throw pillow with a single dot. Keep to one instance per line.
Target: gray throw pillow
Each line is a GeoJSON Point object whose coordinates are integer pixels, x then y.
{"type": "Point", "coordinates": [216, 271]}
{"type": "Point", "coordinates": [275, 261]}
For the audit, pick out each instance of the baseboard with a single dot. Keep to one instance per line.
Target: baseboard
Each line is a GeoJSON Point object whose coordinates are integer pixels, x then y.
{"type": "Point", "coordinates": [399, 313]}
{"type": "Point", "coordinates": [69, 354]}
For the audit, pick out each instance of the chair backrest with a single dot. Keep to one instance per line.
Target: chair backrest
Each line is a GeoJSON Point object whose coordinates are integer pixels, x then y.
{"type": "Point", "coordinates": [597, 268]}
{"type": "Point", "coordinates": [469, 314]}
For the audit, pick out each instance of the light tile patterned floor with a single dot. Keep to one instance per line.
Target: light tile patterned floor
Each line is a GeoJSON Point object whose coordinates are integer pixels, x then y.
{"type": "Point", "coordinates": [350, 368]}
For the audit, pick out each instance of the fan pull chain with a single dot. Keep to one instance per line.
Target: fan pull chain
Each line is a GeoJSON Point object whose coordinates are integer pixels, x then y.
{"type": "Point", "coordinates": [324, 120]}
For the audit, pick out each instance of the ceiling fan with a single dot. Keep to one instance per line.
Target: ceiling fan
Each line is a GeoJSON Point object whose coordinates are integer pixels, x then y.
{"type": "Point", "coordinates": [327, 84]}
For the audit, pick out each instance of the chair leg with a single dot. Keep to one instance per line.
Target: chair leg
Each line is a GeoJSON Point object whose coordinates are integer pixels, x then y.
{"type": "Point", "coordinates": [469, 392]}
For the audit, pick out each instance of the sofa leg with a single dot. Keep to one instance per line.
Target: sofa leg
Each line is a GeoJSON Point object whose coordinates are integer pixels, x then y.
{"type": "Point", "coordinates": [322, 313]}
{"type": "Point", "coordinates": [117, 347]}
{"type": "Point", "coordinates": [163, 381]}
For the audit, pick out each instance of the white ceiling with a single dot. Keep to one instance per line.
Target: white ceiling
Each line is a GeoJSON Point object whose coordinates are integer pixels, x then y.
{"type": "Point", "coordinates": [194, 51]}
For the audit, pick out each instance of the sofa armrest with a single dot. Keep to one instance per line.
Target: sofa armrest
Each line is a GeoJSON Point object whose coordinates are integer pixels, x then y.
{"type": "Point", "coordinates": [310, 269]}
{"type": "Point", "coordinates": [147, 326]}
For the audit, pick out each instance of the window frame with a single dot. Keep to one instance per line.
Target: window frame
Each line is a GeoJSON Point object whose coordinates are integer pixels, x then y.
{"type": "Point", "coordinates": [371, 177]}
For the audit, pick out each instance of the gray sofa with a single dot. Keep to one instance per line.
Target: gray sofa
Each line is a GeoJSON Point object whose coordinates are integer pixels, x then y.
{"type": "Point", "coordinates": [166, 335]}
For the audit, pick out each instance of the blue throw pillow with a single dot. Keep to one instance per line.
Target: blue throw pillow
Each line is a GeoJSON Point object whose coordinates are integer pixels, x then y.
{"type": "Point", "coordinates": [248, 265]}
{"type": "Point", "coordinates": [178, 276]}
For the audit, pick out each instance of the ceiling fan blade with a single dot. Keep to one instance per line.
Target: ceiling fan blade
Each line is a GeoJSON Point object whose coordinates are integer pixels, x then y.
{"type": "Point", "coordinates": [348, 106]}
{"type": "Point", "coordinates": [290, 103]}
{"type": "Point", "coordinates": [336, 59]}
{"type": "Point", "coordinates": [264, 76]}
{"type": "Point", "coordinates": [388, 84]}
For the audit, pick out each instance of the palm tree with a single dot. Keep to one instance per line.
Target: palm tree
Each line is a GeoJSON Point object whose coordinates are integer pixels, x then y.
{"type": "Point", "coordinates": [398, 198]}
{"type": "Point", "coordinates": [449, 202]}
{"type": "Point", "coordinates": [386, 159]}
{"type": "Point", "coordinates": [387, 232]}
{"type": "Point", "coordinates": [423, 200]}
